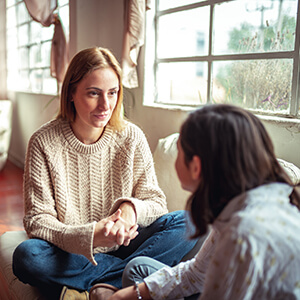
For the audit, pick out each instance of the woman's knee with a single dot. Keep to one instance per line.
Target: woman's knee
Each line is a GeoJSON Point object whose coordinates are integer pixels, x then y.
{"type": "Point", "coordinates": [26, 257]}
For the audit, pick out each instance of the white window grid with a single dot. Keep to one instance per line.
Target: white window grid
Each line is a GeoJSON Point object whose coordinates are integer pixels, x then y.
{"type": "Point", "coordinates": [28, 48]}
{"type": "Point", "coordinates": [152, 60]}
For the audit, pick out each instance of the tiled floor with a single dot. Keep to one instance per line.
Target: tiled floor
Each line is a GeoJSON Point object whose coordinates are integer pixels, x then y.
{"type": "Point", "coordinates": [11, 201]}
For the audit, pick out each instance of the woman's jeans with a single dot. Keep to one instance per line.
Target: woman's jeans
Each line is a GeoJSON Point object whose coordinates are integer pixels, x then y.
{"type": "Point", "coordinates": [41, 264]}
{"type": "Point", "coordinates": [141, 267]}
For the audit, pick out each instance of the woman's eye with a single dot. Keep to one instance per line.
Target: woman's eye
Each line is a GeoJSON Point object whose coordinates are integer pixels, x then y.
{"type": "Point", "coordinates": [113, 93]}
{"type": "Point", "coordinates": [93, 93]}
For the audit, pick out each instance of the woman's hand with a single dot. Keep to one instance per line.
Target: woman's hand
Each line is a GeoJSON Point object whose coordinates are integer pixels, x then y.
{"type": "Point", "coordinates": [130, 293]}
{"type": "Point", "coordinates": [116, 230]}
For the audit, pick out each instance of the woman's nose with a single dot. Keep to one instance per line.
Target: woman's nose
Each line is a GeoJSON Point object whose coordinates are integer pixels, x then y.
{"type": "Point", "coordinates": [103, 102]}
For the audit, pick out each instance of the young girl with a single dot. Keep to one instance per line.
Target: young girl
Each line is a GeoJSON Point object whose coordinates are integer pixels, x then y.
{"type": "Point", "coordinates": [226, 159]}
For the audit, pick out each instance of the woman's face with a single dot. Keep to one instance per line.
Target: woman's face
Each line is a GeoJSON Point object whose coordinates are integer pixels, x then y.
{"type": "Point", "coordinates": [95, 98]}
{"type": "Point", "coordinates": [189, 176]}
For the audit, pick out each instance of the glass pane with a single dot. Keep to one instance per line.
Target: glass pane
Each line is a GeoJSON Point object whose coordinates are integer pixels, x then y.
{"type": "Point", "coordinates": [23, 35]}
{"type": "Point", "coordinates": [257, 84]}
{"type": "Point", "coordinates": [64, 17]}
{"type": "Point", "coordinates": [47, 33]}
{"type": "Point", "coordinates": [10, 2]}
{"type": "Point", "coordinates": [36, 80]}
{"type": "Point", "coordinates": [23, 84]}
{"type": "Point", "coordinates": [12, 79]}
{"type": "Point", "coordinates": [11, 17]}
{"type": "Point", "coordinates": [35, 59]}
{"type": "Point", "coordinates": [182, 83]}
{"type": "Point", "coordinates": [46, 54]}
{"type": "Point", "coordinates": [23, 58]}
{"type": "Point", "coordinates": [245, 26]}
{"type": "Point", "coordinates": [12, 38]}
{"type": "Point", "coordinates": [183, 33]}
{"type": "Point", "coordinates": [49, 83]}
{"type": "Point", "coordinates": [63, 2]}
{"type": "Point", "coordinates": [165, 4]}
{"type": "Point", "coordinates": [23, 14]}
{"type": "Point", "coordinates": [12, 59]}
{"type": "Point", "coordinates": [35, 32]}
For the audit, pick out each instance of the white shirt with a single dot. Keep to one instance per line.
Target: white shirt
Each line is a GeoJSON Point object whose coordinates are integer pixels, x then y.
{"type": "Point", "coordinates": [252, 252]}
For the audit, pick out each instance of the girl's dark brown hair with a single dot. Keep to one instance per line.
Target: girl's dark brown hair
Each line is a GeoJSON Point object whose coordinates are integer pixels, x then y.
{"type": "Point", "coordinates": [236, 155]}
{"type": "Point", "coordinates": [83, 63]}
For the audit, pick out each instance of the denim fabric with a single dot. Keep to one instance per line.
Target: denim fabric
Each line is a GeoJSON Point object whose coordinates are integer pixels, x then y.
{"type": "Point", "coordinates": [41, 264]}
{"type": "Point", "coordinates": [141, 267]}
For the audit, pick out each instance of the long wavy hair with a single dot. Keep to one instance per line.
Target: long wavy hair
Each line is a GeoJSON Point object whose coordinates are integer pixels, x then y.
{"type": "Point", "coordinates": [236, 155]}
{"type": "Point", "coordinates": [82, 64]}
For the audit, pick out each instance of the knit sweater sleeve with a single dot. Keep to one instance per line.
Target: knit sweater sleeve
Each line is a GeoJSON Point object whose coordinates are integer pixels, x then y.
{"type": "Point", "coordinates": [41, 206]}
{"type": "Point", "coordinates": [146, 196]}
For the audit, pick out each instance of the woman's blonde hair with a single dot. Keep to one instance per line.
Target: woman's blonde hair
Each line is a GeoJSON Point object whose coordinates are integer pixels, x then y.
{"type": "Point", "coordinates": [82, 64]}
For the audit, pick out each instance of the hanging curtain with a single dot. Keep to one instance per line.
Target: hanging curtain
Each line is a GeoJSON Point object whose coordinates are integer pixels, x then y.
{"type": "Point", "coordinates": [42, 11]}
{"type": "Point", "coordinates": [133, 40]}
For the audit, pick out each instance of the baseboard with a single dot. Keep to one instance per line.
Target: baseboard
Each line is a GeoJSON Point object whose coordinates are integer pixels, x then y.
{"type": "Point", "coordinates": [19, 162]}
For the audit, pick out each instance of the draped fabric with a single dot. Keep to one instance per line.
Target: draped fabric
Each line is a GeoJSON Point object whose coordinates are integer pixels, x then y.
{"type": "Point", "coordinates": [133, 40]}
{"type": "Point", "coordinates": [42, 11]}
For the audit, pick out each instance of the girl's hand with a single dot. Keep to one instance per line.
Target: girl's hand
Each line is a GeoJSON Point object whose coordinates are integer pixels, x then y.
{"type": "Point", "coordinates": [129, 293]}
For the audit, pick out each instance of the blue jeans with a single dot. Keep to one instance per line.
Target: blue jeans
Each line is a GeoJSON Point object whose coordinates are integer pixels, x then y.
{"type": "Point", "coordinates": [41, 264]}
{"type": "Point", "coordinates": [140, 268]}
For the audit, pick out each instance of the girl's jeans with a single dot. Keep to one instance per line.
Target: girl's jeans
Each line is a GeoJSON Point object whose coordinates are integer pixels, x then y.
{"type": "Point", "coordinates": [41, 264]}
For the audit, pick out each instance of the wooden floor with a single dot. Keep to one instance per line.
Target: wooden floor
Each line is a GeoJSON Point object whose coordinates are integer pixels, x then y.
{"type": "Point", "coordinates": [11, 201]}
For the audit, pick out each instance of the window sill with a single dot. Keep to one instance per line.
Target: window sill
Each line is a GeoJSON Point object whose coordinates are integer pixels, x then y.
{"type": "Point", "coordinates": [267, 118]}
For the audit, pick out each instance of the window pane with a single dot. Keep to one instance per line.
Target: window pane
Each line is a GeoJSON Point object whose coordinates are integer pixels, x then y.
{"type": "Point", "coordinates": [49, 83]}
{"type": "Point", "coordinates": [11, 18]}
{"type": "Point", "coordinates": [10, 2]}
{"type": "Point", "coordinates": [35, 56]}
{"type": "Point", "coordinates": [12, 79]}
{"type": "Point", "coordinates": [184, 33]}
{"type": "Point", "coordinates": [23, 35]}
{"type": "Point", "coordinates": [36, 80]}
{"type": "Point", "coordinates": [182, 83]}
{"type": "Point", "coordinates": [245, 26]}
{"type": "Point", "coordinates": [23, 58]}
{"type": "Point", "coordinates": [256, 84]}
{"type": "Point", "coordinates": [64, 17]}
{"type": "Point", "coordinates": [46, 53]}
{"type": "Point", "coordinates": [23, 82]}
{"type": "Point", "coordinates": [63, 2]}
{"type": "Point", "coordinates": [166, 4]}
{"type": "Point", "coordinates": [23, 14]}
{"type": "Point", "coordinates": [12, 38]}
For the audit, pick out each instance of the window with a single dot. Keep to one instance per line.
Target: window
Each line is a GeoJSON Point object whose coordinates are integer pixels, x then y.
{"type": "Point", "coordinates": [243, 52]}
{"type": "Point", "coordinates": [28, 46]}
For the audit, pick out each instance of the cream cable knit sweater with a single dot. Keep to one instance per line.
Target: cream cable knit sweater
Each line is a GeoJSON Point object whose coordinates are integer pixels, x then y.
{"type": "Point", "coordinates": [69, 186]}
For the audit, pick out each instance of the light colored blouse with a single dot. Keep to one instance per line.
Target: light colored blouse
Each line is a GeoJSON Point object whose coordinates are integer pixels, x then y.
{"type": "Point", "coordinates": [252, 252]}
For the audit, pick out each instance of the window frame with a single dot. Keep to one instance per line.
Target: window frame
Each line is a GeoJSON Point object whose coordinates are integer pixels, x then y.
{"type": "Point", "coordinates": [152, 61]}
{"type": "Point", "coordinates": [29, 45]}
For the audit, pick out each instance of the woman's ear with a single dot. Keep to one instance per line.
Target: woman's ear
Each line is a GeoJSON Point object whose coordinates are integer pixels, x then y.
{"type": "Point", "coordinates": [195, 167]}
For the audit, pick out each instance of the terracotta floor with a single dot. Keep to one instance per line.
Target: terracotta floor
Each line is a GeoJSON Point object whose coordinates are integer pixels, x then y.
{"type": "Point", "coordinates": [11, 202]}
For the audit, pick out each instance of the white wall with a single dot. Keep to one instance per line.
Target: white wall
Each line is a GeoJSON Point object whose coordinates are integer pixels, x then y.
{"type": "Point", "coordinates": [100, 23]}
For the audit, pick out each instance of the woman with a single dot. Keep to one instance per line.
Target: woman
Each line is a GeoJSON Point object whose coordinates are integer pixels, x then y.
{"type": "Point", "coordinates": [89, 183]}
{"type": "Point", "coordinates": [226, 159]}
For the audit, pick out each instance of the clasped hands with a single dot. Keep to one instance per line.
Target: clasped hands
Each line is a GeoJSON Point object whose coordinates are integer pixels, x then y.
{"type": "Point", "coordinates": [118, 229]}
